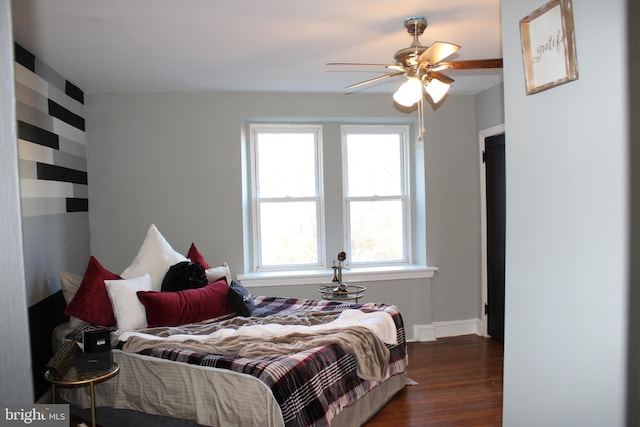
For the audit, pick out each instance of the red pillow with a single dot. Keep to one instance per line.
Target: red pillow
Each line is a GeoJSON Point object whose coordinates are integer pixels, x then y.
{"type": "Point", "coordinates": [91, 303]}
{"type": "Point", "coordinates": [195, 256]}
{"type": "Point", "coordinates": [188, 306]}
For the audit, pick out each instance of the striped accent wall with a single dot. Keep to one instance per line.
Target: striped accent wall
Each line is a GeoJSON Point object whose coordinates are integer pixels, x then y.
{"type": "Point", "coordinates": [52, 153]}
{"type": "Point", "coordinates": [51, 139]}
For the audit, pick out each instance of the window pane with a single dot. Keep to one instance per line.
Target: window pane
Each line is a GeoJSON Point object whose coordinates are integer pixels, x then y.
{"type": "Point", "coordinates": [376, 231]}
{"type": "Point", "coordinates": [286, 164]}
{"type": "Point", "coordinates": [288, 233]}
{"type": "Point", "coordinates": [374, 165]}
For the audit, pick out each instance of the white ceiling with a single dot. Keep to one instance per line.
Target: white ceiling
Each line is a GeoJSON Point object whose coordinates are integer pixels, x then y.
{"type": "Point", "coordinates": [247, 45]}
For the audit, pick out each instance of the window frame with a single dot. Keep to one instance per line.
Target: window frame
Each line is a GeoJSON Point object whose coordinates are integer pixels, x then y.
{"type": "Point", "coordinates": [255, 235]}
{"type": "Point", "coordinates": [330, 152]}
{"type": "Point", "coordinates": [403, 131]}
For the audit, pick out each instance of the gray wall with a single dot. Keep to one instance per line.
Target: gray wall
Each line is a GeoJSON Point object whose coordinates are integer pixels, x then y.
{"type": "Point", "coordinates": [453, 200]}
{"type": "Point", "coordinates": [175, 160]}
{"type": "Point", "coordinates": [567, 228]}
{"type": "Point", "coordinates": [15, 368]}
{"type": "Point", "coordinates": [490, 107]}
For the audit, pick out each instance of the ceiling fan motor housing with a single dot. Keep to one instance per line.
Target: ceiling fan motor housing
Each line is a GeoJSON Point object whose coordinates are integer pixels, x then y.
{"type": "Point", "coordinates": [408, 57]}
{"type": "Point", "coordinates": [415, 26]}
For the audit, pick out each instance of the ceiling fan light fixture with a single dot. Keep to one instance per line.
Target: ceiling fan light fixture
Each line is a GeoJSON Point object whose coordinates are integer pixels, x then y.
{"type": "Point", "coordinates": [409, 93]}
{"type": "Point", "coordinates": [437, 90]}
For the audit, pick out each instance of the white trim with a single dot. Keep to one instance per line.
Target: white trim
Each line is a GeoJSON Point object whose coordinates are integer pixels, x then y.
{"type": "Point", "coordinates": [458, 327]}
{"type": "Point", "coordinates": [447, 329]}
{"type": "Point", "coordinates": [424, 333]}
{"type": "Point", "coordinates": [482, 135]}
{"type": "Point", "coordinates": [256, 199]}
{"type": "Point", "coordinates": [402, 131]}
{"type": "Point", "coordinates": [317, 277]}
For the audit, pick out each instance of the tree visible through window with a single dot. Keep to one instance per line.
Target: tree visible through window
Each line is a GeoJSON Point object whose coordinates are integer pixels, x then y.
{"type": "Point", "coordinates": [375, 193]}
{"type": "Point", "coordinates": [287, 196]}
{"type": "Point", "coordinates": [288, 208]}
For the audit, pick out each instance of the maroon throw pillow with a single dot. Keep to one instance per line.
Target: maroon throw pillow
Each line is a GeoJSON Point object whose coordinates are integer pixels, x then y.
{"type": "Point", "coordinates": [195, 256]}
{"type": "Point", "coordinates": [188, 306]}
{"type": "Point", "coordinates": [91, 303]}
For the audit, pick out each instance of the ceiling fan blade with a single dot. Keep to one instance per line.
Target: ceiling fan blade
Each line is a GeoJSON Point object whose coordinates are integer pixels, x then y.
{"type": "Point", "coordinates": [389, 66]}
{"type": "Point", "coordinates": [375, 79]}
{"type": "Point", "coordinates": [472, 64]}
{"type": "Point", "coordinates": [359, 64]}
{"type": "Point", "coordinates": [442, 77]}
{"type": "Point", "coordinates": [437, 52]}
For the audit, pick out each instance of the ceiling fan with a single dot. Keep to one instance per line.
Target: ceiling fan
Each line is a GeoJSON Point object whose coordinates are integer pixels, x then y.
{"type": "Point", "coordinates": [423, 66]}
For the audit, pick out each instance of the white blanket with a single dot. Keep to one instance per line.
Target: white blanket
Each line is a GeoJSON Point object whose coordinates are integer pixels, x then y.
{"type": "Point", "coordinates": [379, 322]}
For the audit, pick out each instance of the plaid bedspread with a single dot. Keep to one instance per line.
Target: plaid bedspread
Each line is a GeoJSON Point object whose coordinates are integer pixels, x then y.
{"type": "Point", "coordinates": [312, 386]}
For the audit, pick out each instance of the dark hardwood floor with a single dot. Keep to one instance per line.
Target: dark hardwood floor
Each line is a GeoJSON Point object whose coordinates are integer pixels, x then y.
{"type": "Point", "coordinates": [459, 384]}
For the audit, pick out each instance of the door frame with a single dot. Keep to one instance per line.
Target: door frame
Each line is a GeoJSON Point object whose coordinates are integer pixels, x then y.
{"type": "Point", "coordinates": [482, 135]}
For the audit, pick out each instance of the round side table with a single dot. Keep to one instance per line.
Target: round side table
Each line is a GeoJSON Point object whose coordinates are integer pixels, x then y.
{"type": "Point", "coordinates": [78, 378]}
{"type": "Point", "coordinates": [334, 292]}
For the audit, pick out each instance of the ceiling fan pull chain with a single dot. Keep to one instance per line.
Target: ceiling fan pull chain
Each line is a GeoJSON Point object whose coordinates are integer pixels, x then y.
{"type": "Point", "coordinates": [421, 118]}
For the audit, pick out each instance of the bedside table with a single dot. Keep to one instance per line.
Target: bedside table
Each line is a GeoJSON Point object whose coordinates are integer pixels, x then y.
{"type": "Point", "coordinates": [78, 378]}
{"type": "Point", "coordinates": [334, 293]}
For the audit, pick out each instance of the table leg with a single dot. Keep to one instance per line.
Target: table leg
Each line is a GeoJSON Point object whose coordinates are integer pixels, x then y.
{"type": "Point", "coordinates": [93, 404]}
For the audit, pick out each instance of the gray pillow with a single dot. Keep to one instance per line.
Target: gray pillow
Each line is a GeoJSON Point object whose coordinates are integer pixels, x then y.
{"type": "Point", "coordinates": [240, 299]}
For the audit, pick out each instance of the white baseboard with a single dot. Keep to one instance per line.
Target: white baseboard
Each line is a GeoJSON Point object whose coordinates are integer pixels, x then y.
{"type": "Point", "coordinates": [424, 333]}
{"type": "Point", "coordinates": [447, 329]}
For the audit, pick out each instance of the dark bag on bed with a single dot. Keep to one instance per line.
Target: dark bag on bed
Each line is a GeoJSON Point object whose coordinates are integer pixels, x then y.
{"type": "Point", "coordinates": [64, 359]}
{"type": "Point", "coordinates": [184, 275]}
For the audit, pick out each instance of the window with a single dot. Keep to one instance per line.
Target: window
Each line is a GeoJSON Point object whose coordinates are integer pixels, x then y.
{"type": "Point", "coordinates": [361, 193]}
{"type": "Point", "coordinates": [375, 193]}
{"type": "Point", "coordinates": [287, 196]}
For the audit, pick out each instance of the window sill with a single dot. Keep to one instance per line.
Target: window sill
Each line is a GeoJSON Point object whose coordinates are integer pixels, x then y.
{"type": "Point", "coordinates": [318, 277]}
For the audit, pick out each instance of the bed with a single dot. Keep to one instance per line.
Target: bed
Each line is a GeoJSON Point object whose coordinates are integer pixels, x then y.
{"type": "Point", "coordinates": [285, 362]}
{"type": "Point", "coordinates": [318, 386]}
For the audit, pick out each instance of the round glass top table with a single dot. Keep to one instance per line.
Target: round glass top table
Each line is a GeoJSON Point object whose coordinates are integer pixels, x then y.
{"type": "Point", "coordinates": [81, 377]}
{"type": "Point", "coordinates": [334, 292]}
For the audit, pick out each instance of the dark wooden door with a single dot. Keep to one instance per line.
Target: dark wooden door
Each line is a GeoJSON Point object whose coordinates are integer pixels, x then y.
{"type": "Point", "coordinates": [496, 227]}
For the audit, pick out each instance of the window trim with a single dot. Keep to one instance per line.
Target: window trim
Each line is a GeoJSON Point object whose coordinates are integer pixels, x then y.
{"type": "Point", "coordinates": [256, 261]}
{"type": "Point", "coordinates": [323, 276]}
{"type": "Point", "coordinates": [418, 266]}
{"type": "Point", "coordinates": [405, 197]}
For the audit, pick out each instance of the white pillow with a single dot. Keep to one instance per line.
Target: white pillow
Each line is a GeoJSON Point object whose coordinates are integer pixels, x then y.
{"type": "Point", "coordinates": [155, 257]}
{"type": "Point", "coordinates": [70, 283]}
{"type": "Point", "coordinates": [127, 308]}
{"type": "Point", "coordinates": [214, 273]}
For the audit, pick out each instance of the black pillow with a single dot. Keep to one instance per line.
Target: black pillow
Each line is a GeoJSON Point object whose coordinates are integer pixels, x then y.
{"type": "Point", "coordinates": [240, 299]}
{"type": "Point", "coordinates": [184, 275]}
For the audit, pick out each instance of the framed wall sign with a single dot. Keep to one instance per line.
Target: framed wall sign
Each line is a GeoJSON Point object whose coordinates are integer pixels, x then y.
{"type": "Point", "coordinates": [548, 46]}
